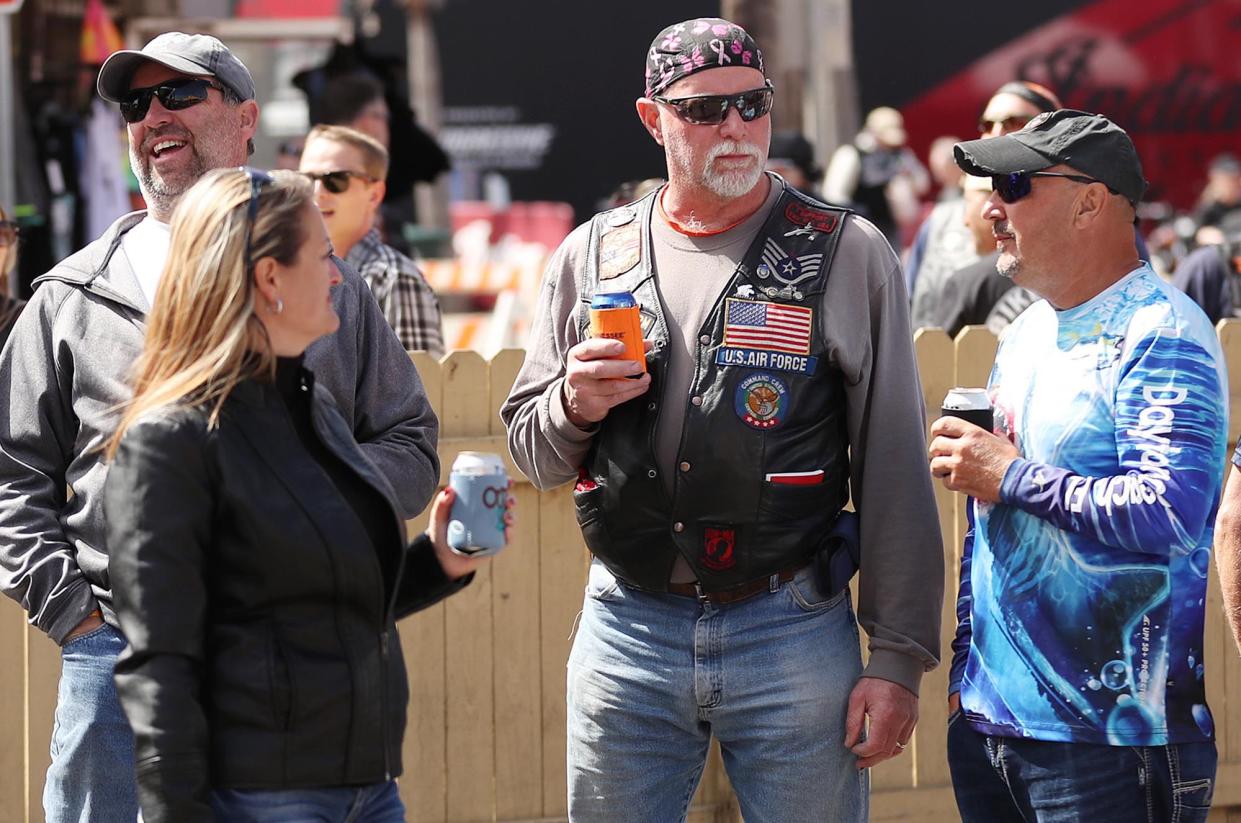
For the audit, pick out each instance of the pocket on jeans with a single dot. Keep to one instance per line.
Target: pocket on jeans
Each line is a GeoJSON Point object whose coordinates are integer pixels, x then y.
{"type": "Point", "coordinates": [601, 584]}
{"type": "Point", "coordinates": [809, 595]}
{"type": "Point", "coordinates": [1192, 795]}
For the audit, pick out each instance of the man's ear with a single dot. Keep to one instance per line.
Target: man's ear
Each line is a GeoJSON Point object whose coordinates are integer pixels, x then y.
{"type": "Point", "coordinates": [249, 118]}
{"type": "Point", "coordinates": [378, 189]}
{"type": "Point", "coordinates": [1090, 205]}
{"type": "Point", "coordinates": [648, 113]}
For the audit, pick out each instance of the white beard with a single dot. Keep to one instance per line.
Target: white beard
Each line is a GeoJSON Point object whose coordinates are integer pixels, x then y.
{"type": "Point", "coordinates": [737, 182]}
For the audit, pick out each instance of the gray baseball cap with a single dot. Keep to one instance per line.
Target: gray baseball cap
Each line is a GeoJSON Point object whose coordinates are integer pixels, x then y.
{"type": "Point", "coordinates": [194, 54]}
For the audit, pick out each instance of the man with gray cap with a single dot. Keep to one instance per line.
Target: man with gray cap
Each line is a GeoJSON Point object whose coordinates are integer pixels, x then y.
{"type": "Point", "coordinates": [189, 104]}
{"type": "Point", "coordinates": [780, 380]}
{"type": "Point", "coordinates": [1077, 680]}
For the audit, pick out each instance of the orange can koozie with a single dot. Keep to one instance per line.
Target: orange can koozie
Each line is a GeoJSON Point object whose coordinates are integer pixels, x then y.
{"type": "Point", "coordinates": [615, 315]}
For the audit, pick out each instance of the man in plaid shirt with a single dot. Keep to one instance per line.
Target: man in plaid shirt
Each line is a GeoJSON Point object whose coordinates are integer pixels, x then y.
{"type": "Point", "coordinates": [348, 169]}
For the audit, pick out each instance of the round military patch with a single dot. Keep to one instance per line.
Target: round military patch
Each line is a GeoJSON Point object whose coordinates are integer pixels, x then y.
{"type": "Point", "coordinates": [762, 400]}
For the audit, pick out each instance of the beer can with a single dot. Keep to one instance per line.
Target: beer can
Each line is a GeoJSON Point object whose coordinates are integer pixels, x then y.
{"type": "Point", "coordinates": [481, 484]}
{"type": "Point", "coordinates": [616, 315]}
{"type": "Point", "coordinates": [971, 405]}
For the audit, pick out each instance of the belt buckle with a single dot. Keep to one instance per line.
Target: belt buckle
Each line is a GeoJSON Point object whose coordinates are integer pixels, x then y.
{"type": "Point", "coordinates": [703, 597]}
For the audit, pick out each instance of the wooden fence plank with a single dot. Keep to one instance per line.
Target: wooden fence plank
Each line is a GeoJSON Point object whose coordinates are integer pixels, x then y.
{"type": "Point", "coordinates": [936, 367]}
{"type": "Point", "coordinates": [424, 785]}
{"type": "Point", "coordinates": [562, 578]}
{"type": "Point", "coordinates": [518, 672]}
{"type": "Point", "coordinates": [43, 669]}
{"type": "Point", "coordinates": [468, 622]}
{"type": "Point", "coordinates": [432, 376]}
{"type": "Point", "coordinates": [13, 719]}
{"type": "Point", "coordinates": [1230, 341]}
{"type": "Point", "coordinates": [515, 606]}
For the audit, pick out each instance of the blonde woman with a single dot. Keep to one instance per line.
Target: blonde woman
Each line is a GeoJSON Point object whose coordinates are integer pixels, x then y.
{"type": "Point", "coordinates": [258, 563]}
{"type": "Point", "coordinates": [9, 307]}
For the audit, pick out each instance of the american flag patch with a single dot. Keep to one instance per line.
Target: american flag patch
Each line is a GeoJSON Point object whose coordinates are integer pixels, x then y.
{"type": "Point", "coordinates": [753, 324]}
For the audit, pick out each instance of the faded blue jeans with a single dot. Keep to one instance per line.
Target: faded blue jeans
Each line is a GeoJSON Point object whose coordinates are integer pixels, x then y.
{"type": "Point", "coordinates": [652, 677]}
{"type": "Point", "coordinates": [92, 773]}
{"type": "Point", "coordinates": [1016, 780]}
{"type": "Point", "coordinates": [378, 803]}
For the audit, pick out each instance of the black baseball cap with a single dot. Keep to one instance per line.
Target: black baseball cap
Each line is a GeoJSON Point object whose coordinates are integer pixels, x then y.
{"type": "Point", "coordinates": [1090, 143]}
{"type": "Point", "coordinates": [199, 55]}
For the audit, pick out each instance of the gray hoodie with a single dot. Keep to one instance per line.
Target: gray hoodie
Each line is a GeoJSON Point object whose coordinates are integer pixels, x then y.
{"type": "Point", "coordinates": [64, 373]}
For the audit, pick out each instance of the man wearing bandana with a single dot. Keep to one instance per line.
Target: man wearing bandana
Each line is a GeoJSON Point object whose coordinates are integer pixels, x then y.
{"type": "Point", "coordinates": [780, 382]}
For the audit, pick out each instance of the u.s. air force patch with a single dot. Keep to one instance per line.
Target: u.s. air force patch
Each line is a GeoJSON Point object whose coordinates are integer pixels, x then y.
{"type": "Point", "coordinates": [619, 250]}
{"type": "Point", "coordinates": [762, 335]}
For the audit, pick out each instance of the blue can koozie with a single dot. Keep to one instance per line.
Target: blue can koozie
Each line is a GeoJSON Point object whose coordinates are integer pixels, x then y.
{"type": "Point", "coordinates": [481, 484]}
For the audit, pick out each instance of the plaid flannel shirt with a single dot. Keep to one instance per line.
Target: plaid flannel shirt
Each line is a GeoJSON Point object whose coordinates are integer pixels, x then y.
{"type": "Point", "coordinates": [402, 293]}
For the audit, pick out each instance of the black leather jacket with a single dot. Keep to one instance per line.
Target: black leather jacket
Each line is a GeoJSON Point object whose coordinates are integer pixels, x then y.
{"type": "Point", "coordinates": [262, 647]}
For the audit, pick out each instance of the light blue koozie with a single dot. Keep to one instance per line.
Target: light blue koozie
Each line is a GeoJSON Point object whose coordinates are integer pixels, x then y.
{"type": "Point", "coordinates": [481, 484]}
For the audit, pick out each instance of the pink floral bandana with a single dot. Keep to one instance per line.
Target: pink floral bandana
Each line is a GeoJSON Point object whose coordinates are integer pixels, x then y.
{"type": "Point", "coordinates": [704, 43]}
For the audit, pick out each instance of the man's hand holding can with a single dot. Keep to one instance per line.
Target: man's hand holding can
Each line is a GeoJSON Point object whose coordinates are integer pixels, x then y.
{"type": "Point", "coordinates": [609, 368]}
{"type": "Point", "coordinates": [964, 452]}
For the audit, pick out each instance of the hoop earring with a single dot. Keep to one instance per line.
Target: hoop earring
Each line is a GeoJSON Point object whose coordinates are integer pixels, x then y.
{"type": "Point", "coordinates": [278, 306]}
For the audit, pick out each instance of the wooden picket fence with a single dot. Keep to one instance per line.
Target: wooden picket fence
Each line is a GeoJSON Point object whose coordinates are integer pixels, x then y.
{"type": "Point", "coordinates": [485, 739]}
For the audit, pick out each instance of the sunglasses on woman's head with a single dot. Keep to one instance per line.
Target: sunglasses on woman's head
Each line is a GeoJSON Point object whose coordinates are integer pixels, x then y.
{"type": "Point", "coordinates": [712, 109]}
{"type": "Point", "coordinates": [337, 182]}
{"type": "Point", "coordinates": [173, 95]}
{"type": "Point", "coordinates": [1015, 186]}
{"type": "Point", "coordinates": [258, 179]}
{"type": "Point", "coordinates": [8, 233]}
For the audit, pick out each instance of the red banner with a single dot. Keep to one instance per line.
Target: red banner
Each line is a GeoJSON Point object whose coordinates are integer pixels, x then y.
{"type": "Point", "coordinates": [288, 9]}
{"type": "Point", "coordinates": [1164, 70]}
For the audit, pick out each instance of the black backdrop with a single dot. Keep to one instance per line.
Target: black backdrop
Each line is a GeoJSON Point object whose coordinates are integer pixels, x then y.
{"type": "Point", "coordinates": [576, 65]}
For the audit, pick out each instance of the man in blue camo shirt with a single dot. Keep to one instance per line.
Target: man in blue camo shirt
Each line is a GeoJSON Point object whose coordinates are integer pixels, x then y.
{"type": "Point", "coordinates": [1077, 679]}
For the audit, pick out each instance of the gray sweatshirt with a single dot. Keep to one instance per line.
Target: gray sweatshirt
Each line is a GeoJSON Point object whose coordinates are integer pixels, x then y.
{"type": "Point", "coordinates": [865, 317]}
{"type": "Point", "coordinates": [64, 372]}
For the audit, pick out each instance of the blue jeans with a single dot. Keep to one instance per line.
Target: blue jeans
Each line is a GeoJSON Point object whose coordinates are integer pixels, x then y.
{"type": "Point", "coordinates": [377, 803]}
{"type": "Point", "coordinates": [92, 773]}
{"type": "Point", "coordinates": [1000, 779]}
{"type": "Point", "coordinates": [653, 676]}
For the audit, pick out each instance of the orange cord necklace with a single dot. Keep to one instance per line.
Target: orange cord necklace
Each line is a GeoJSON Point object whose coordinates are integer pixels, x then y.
{"type": "Point", "coordinates": [688, 232]}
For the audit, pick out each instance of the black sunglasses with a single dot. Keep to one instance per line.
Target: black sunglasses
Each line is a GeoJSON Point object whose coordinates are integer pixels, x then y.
{"type": "Point", "coordinates": [337, 182]}
{"type": "Point", "coordinates": [173, 95]}
{"type": "Point", "coordinates": [1013, 187]}
{"type": "Point", "coordinates": [8, 233]}
{"type": "Point", "coordinates": [258, 179]}
{"type": "Point", "coordinates": [712, 109]}
{"type": "Point", "coordinates": [1006, 124]}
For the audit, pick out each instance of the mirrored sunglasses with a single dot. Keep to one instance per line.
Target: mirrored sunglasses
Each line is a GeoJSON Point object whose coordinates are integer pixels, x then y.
{"type": "Point", "coordinates": [1013, 187]}
{"type": "Point", "coordinates": [712, 109]}
{"type": "Point", "coordinates": [337, 182]}
{"type": "Point", "coordinates": [173, 95]}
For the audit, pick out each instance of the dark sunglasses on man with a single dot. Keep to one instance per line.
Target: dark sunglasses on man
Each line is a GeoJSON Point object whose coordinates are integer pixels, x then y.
{"type": "Point", "coordinates": [1007, 124]}
{"type": "Point", "coordinates": [8, 233]}
{"type": "Point", "coordinates": [337, 182]}
{"type": "Point", "coordinates": [712, 109]}
{"type": "Point", "coordinates": [173, 95]}
{"type": "Point", "coordinates": [1015, 186]}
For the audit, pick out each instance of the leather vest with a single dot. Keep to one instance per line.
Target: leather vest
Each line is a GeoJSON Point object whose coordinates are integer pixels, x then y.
{"type": "Point", "coordinates": [762, 466]}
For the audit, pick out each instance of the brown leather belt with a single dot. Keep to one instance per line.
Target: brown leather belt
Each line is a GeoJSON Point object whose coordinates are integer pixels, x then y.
{"type": "Point", "coordinates": [737, 593]}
